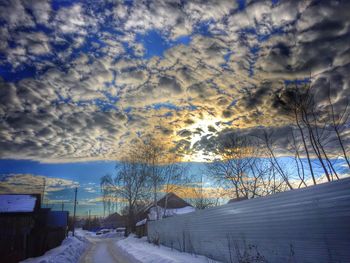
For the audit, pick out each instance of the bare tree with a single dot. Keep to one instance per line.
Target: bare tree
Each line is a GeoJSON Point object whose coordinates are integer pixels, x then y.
{"type": "Point", "coordinates": [128, 186]}
{"type": "Point", "coordinates": [241, 168]}
{"type": "Point", "coordinates": [297, 104]}
{"type": "Point", "coordinates": [338, 124]}
{"type": "Point", "coordinates": [297, 159]}
{"type": "Point", "coordinates": [267, 138]}
{"type": "Point", "coordinates": [202, 197]}
{"type": "Point", "coordinates": [174, 179]}
{"type": "Point", "coordinates": [317, 125]}
{"type": "Point", "coordinates": [162, 168]}
{"type": "Point", "coordinates": [312, 129]}
{"type": "Point", "coordinates": [231, 166]}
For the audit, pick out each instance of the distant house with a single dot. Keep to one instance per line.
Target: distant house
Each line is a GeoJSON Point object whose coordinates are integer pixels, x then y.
{"type": "Point", "coordinates": [169, 205]}
{"type": "Point", "coordinates": [26, 229]}
{"type": "Point", "coordinates": [114, 220]}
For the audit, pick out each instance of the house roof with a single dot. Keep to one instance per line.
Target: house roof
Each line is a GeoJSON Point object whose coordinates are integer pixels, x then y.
{"type": "Point", "coordinates": [170, 205]}
{"type": "Point", "coordinates": [171, 201]}
{"type": "Point", "coordinates": [114, 216]}
{"type": "Point", "coordinates": [14, 203]}
{"type": "Point", "coordinates": [114, 220]}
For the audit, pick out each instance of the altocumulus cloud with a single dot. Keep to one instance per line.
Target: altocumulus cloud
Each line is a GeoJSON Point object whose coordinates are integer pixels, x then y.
{"type": "Point", "coordinates": [28, 183]}
{"type": "Point", "coordinates": [81, 81]}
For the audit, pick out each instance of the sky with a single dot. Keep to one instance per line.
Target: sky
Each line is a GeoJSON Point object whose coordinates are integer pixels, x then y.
{"type": "Point", "coordinates": [60, 179]}
{"type": "Point", "coordinates": [81, 81]}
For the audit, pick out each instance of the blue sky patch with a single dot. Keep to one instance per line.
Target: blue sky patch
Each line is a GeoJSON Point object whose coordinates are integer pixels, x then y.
{"type": "Point", "coordinates": [57, 4]}
{"type": "Point", "coordinates": [155, 44]}
{"type": "Point", "coordinates": [9, 74]}
{"type": "Point", "coordinates": [297, 81]}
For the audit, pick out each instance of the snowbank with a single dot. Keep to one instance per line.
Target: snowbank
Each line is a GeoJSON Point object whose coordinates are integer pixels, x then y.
{"type": "Point", "coordinates": [138, 249]}
{"type": "Point", "coordinates": [69, 252]}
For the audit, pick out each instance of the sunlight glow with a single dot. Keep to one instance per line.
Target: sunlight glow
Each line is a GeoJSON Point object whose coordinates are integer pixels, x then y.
{"type": "Point", "coordinates": [202, 127]}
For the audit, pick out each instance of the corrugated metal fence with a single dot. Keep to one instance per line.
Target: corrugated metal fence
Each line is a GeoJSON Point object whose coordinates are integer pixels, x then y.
{"type": "Point", "coordinates": [305, 225]}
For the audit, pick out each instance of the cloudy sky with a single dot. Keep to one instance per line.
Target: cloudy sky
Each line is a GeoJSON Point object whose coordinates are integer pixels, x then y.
{"type": "Point", "coordinates": [82, 80]}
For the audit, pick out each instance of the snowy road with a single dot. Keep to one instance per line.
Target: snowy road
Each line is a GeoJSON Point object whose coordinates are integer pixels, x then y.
{"type": "Point", "coordinates": [103, 251]}
{"type": "Point", "coordinates": [111, 248]}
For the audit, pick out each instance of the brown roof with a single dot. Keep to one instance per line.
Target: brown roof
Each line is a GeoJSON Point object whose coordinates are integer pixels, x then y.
{"type": "Point", "coordinates": [174, 201]}
{"type": "Point", "coordinates": [114, 220]}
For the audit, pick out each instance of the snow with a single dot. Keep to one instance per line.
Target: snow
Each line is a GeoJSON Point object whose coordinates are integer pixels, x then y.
{"type": "Point", "coordinates": [169, 212]}
{"type": "Point", "coordinates": [139, 250]}
{"type": "Point", "coordinates": [142, 222]}
{"type": "Point", "coordinates": [69, 252]}
{"type": "Point", "coordinates": [102, 249]}
{"type": "Point", "coordinates": [17, 203]}
{"type": "Point", "coordinates": [111, 234]}
{"type": "Point", "coordinates": [87, 247]}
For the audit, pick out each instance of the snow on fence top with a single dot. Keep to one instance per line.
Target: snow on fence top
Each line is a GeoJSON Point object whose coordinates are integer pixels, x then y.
{"type": "Point", "coordinates": [17, 203]}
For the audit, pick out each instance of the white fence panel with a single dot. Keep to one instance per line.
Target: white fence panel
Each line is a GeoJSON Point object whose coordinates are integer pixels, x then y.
{"type": "Point", "coordinates": [309, 225]}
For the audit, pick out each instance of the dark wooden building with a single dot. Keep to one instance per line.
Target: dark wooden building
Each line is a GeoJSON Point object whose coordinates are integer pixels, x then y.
{"type": "Point", "coordinates": [26, 229]}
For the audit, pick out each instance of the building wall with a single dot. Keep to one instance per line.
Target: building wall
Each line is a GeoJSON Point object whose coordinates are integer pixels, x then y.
{"type": "Point", "coordinates": [14, 233]}
{"type": "Point", "coordinates": [306, 225]}
{"type": "Point", "coordinates": [24, 235]}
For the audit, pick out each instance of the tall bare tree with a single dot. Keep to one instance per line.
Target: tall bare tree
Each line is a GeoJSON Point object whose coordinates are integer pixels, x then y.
{"type": "Point", "coordinates": [128, 186]}
{"type": "Point", "coordinates": [240, 167]}
{"type": "Point", "coordinates": [268, 141]}
{"type": "Point", "coordinates": [202, 197]}
{"type": "Point", "coordinates": [161, 166]}
{"type": "Point", "coordinates": [338, 122]}
{"type": "Point", "coordinates": [295, 149]}
{"type": "Point", "coordinates": [174, 178]}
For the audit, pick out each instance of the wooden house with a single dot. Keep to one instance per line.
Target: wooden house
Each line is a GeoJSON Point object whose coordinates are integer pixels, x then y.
{"type": "Point", "coordinates": [26, 229]}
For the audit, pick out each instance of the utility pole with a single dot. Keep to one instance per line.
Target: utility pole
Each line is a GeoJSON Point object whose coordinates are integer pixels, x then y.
{"type": "Point", "coordinates": [43, 195]}
{"type": "Point", "coordinates": [89, 220]}
{"type": "Point", "coordinates": [75, 208]}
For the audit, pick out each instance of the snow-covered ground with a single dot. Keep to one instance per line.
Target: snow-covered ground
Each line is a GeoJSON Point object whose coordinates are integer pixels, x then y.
{"type": "Point", "coordinates": [69, 252]}
{"type": "Point", "coordinates": [111, 234]}
{"type": "Point", "coordinates": [139, 250]}
{"type": "Point", "coordinates": [87, 247]}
